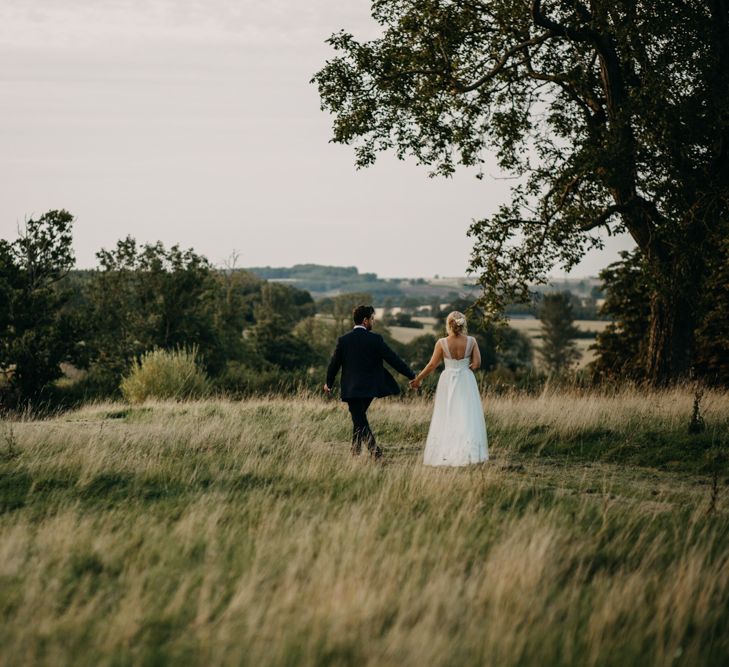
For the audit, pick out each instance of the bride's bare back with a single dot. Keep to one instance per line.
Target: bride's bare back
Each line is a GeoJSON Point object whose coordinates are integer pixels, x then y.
{"type": "Point", "coordinates": [457, 346]}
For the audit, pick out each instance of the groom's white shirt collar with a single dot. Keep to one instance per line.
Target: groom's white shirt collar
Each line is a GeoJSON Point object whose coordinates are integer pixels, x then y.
{"type": "Point", "coordinates": [360, 326]}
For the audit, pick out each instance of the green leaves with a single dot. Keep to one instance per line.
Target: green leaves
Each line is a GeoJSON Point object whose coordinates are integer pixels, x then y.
{"type": "Point", "coordinates": [621, 347]}
{"type": "Point", "coordinates": [34, 329]}
{"type": "Point", "coordinates": [147, 296]}
{"type": "Point", "coordinates": [43, 251]}
{"type": "Point", "coordinates": [612, 117]}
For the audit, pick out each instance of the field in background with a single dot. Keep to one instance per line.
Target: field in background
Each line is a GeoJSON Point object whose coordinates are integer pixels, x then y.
{"type": "Point", "coordinates": [406, 334]}
{"type": "Point", "coordinates": [243, 533]}
{"type": "Point", "coordinates": [530, 326]}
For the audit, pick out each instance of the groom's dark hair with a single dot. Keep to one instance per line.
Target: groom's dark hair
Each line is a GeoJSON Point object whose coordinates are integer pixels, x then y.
{"type": "Point", "coordinates": [362, 312]}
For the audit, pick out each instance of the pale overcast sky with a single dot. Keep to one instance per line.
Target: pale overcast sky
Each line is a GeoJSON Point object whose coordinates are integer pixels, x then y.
{"type": "Point", "coordinates": [193, 122]}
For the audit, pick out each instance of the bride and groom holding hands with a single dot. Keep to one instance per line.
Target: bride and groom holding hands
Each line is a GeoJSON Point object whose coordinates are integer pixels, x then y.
{"type": "Point", "coordinates": [457, 433]}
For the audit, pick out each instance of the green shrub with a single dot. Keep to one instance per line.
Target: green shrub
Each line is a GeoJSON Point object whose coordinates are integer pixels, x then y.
{"type": "Point", "coordinates": [165, 374]}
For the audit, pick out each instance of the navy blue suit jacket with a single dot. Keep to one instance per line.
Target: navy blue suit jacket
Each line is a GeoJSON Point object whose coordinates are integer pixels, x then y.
{"type": "Point", "coordinates": [360, 353]}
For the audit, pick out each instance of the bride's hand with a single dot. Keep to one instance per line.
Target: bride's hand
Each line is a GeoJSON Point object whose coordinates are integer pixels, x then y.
{"type": "Point", "coordinates": [414, 384]}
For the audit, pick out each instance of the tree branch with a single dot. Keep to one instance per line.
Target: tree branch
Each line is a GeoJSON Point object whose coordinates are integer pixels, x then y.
{"type": "Point", "coordinates": [582, 11]}
{"type": "Point", "coordinates": [501, 63]}
{"type": "Point", "coordinates": [568, 188]}
{"type": "Point", "coordinates": [602, 219]}
{"type": "Point", "coordinates": [583, 35]}
{"type": "Point", "coordinates": [523, 221]}
{"type": "Point", "coordinates": [585, 102]}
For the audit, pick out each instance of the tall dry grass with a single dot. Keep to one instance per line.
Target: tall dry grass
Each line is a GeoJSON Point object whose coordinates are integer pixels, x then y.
{"type": "Point", "coordinates": [244, 533]}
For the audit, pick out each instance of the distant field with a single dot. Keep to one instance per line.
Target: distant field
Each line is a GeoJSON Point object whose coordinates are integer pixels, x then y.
{"type": "Point", "coordinates": [530, 326]}
{"type": "Point", "coordinates": [243, 533]}
{"type": "Point", "coordinates": [406, 334]}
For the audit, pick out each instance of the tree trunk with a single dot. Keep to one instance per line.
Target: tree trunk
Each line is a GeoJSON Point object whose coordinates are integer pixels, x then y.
{"type": "Point", "coordinates": [669, 351]}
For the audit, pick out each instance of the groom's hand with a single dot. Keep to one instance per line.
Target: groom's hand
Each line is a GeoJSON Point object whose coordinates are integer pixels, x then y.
{"type": "Point", "coordinates": [327, 390]}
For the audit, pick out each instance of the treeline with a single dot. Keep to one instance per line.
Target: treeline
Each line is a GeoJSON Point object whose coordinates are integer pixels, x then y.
{"type": "Point", "coordinates": [68, 336]}
{"type": "Point", "coordinates": [410, 295]}
{"type": "Point", "coordinates": [141, 297]}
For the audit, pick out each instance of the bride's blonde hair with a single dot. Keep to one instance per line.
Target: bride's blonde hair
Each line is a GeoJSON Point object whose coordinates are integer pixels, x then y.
{"type": "Point", "coordinates": [456, 323]}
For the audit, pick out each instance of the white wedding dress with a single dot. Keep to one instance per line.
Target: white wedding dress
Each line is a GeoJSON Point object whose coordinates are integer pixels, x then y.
{"type": "Point", "coordinates": [457, 435]}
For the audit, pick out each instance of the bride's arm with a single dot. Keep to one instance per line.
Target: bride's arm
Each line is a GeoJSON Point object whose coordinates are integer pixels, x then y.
{"type": "Point", "coordinates": [475, 357]}
{"type": "Point", "coordinates": [432, 365]}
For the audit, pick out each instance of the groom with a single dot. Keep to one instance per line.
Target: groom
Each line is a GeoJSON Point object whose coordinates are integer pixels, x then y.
{"type": "Point", "coordinates": [359, 354]}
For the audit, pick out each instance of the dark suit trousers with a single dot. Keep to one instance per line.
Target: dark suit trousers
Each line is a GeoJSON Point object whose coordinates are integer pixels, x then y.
{"type": "Point", "coordinates": [361, 432]}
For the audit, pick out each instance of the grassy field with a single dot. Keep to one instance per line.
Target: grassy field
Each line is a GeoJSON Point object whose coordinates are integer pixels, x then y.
{"type": "Point", "coordinates": [244, 533]}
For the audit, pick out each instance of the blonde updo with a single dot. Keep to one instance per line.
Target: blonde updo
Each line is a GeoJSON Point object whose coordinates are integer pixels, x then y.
{"type": "Point", "coordinates": [456, 323]}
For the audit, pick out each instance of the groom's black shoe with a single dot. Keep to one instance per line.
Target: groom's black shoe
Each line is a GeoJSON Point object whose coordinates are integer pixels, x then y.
{"type": "Point", "coordinates": [374, 451]}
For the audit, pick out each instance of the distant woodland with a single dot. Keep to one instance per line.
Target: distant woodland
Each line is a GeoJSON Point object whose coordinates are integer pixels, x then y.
{"type": "Point", "coordinates": [70, 335]}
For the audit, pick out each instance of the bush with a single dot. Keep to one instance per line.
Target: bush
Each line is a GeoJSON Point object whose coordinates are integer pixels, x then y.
{"type": "Point", "coordinates": [165, 374]}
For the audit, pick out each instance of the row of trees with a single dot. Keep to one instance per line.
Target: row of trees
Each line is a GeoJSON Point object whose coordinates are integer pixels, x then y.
{"type": "Point", "coordinates": [251, 335]}
{"type": "Point", "coordinates": [141, 297]}
{"type": "Point", "coordinates": [254, 335]}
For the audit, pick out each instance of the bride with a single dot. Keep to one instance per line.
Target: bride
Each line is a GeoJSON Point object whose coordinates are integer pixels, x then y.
{"type": "Point", "coordinates": [457, 434]}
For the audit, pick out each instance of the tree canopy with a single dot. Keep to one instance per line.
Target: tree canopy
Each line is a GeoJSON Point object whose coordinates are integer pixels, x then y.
{"type": "Point", "coordinates": [35, 333]}
{"type": "Point", "coordinates": [612, 115]}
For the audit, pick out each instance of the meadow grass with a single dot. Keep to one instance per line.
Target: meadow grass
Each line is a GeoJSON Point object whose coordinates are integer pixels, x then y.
{"type": "Point", "coordinates": [244, 533]}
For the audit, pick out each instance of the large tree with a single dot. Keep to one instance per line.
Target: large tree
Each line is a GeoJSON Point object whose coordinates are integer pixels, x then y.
{"type": "Point", "coordinates": [36, 334]}
{"type": "Point", "coordinates": [145, 296]}
{"type": "Point", "coordinates": [613, 114]}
